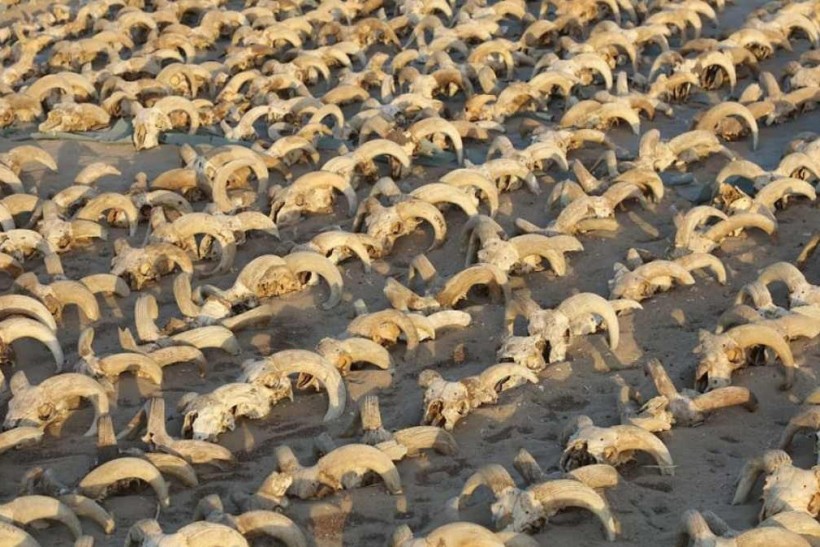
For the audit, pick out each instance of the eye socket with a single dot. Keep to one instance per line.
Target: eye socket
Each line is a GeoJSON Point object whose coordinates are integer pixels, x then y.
{"type": "Point", "coordinates": [190, 418]}
{"type": "Point", "coordinates": [44, 411]}
{"type": "Point", "coordinates": [396, 229]}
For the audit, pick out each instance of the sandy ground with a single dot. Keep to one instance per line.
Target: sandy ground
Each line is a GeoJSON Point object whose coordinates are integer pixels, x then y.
{"type": "Point", "coordinates": [648, 505]}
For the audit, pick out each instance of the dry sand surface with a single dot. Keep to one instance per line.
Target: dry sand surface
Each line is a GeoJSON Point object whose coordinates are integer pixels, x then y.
{"type": "Point", "coordinates": [707, 458]}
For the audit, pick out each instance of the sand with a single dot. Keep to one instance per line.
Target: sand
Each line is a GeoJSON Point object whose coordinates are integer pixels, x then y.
{"type": "Point", "coordinates": [707, 458]}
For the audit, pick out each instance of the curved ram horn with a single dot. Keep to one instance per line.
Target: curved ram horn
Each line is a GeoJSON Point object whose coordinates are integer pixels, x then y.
{"type": "Point", "coordinates": [24, 510]}
{"type": "Point", "coordinates": [12, 535]}
{"type": "Point", "coordinates": [209, 534]}
{"type": "Point", "coordinates": [287, 362]}
{"type": "Point", "coordinates": [211, 336]}
{"type": "Point", "coordinates": [305, 261]}
{"type": "Point", "coordinates": [586, 303]}
{"type": "Point", "coordinates": [806, 418]}
{"type": "Point", "coordinates": [108, 284]}
{"type": "Point", "coordinates": [18, 304]}
{"type": "Point", "coordinates": [97, 482]}
{"type": "Point", "coordinates": [21, 435]}
{"type": "Point", "coordinates": [558, 494]}
{"type": "Point", "coordinates": [415, 439]}
{"type": "Point", "coordinates": [696, 216]}
{"type": "Point", "coordinates": [436, 193]}
{"type": "Point", "coordinates": [142, 365]}
{"type": "Point", "coordinates": [272, 524]}
{"type": "Point", "coordinates": [493, 378]}
{"type": "Point", "coordinates": [493, 476]}
{"type": "Point", "coordinates": [173, 465]}
{"type": "Point", "coordinates": [21, 155]}
{"type": "Point", "coordinates": [416, 208]}
{"type": "Point", "coordinates": [460, 284]}
{"type": "Point", "coordinates": [599, 475]}
{"type": "Point", "coordinates": [768, 462]}
{"type": "Point", "coordinates": [741, 222]}
{"type": "Point", "coordinates": [697, 261]}
{"type": "Point", "coordinates": [95, 171]}
{"type": "Point", "coordinates": [784, 273]}
{"type": "Point", "coordinates": [103, 202]}
{"type": "Point", "coordinates": [712, 118]}
{"type": "Point", "coordinates": [15, 328]}
{"type": "Point", "coordinates": [635, 438]}
{"type": "Point", "coordinates": [367, 325]}
{"type": "Point", "coordinates": [219, 186]}
{"type": "Point", "coordinates": [334, 465]}
{"type": "Point", "coordinates": [747, 336]}
{"type": "Point", "coordinates": [781, 188]}
{"type": "Point", "coordinates": [343, 353]}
